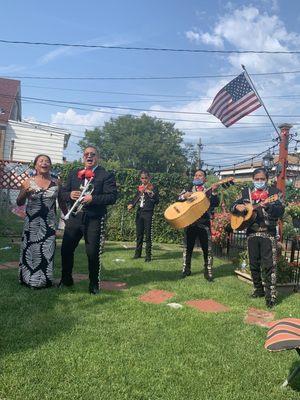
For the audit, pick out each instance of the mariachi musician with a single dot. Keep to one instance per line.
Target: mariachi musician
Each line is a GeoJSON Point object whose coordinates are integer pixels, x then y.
{"type": "Point", "coordinates": [87, 219]}
{"type": "Point", "coordinates": [261, 233]}
{"type": "Point", "coordinates": [146, 198]}
{"type": "Point", "coordinates": [199, 229]}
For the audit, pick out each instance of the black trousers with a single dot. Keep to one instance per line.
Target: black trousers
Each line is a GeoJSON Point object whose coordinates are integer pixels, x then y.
{"type": "Point", "coordinates": [143, 228]}
{"type": "Point", "coordinates": [202, 232]}
{"type": "Point", "coordinates": [262, 254]}
{"type": "Point", "coordinates": [92, 230]}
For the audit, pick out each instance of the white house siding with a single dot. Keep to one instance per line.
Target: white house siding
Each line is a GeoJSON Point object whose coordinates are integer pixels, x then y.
{"type": "Point", "coordinates": [31, 139]}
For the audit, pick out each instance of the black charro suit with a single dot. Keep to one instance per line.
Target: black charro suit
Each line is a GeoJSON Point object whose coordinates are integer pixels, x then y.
{"type": "Point", "coordinates": [88, 223]}
{"type": "Point", "coordinates": [144, 216]}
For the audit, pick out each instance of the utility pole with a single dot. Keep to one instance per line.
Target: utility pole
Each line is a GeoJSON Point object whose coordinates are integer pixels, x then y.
{"type": "Point", "coordinates": [283, 157]}
{"type": "Point", "coordinates": [282, 165]}
{"type": "Point", "coordinates": [200, 147]}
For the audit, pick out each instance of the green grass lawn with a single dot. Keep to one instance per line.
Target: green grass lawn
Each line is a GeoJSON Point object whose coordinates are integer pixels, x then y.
{"type": "Point", "coordinates": [67, 344]}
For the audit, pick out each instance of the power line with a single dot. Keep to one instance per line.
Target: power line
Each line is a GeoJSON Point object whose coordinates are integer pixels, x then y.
{"type": "Point", "coordinates": [169, 77]}
{"type": "Point", "coordinates": [177, 96]}
{"type": "Point", "coordinates": [163, 49]}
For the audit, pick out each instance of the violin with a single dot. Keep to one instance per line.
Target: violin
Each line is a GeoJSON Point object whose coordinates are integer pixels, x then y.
{"type": "Point", "coordinates": [143, 188]}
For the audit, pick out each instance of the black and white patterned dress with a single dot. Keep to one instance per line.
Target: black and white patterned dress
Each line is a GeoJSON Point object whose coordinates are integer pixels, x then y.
{"type": "Point", "coordinates": [38, 238]}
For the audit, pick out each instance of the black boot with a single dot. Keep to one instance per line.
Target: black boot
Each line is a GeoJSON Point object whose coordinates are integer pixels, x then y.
{"type": "Point", "coordinates": [257, 292]}
{"type": "Point", "coordinates": [208, 273]}
{"type": "Point", "coordinates": [94, 288]}
{"type": "Point", "coordinates": [186, 271]}
{"type": "Point", "coordinates": [270, 303]}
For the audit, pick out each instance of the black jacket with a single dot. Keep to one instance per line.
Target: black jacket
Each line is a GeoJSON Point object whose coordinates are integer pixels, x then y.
{"type": "Point", "coordinates": [267, 217]}
{"type": "Point", "coordinates": [104, 193]}
{"type": "Point", "coordinates": [149, 202]}
{"type": "Point", "coordinates": [214, 202]}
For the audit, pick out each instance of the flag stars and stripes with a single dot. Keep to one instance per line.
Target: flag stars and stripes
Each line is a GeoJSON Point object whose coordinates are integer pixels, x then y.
{"type": "Point", "coordinates": [234, 101]}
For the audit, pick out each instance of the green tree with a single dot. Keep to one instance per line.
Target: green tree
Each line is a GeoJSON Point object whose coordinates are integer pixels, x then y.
{"type": "Point", "coordinates": [139, 142]}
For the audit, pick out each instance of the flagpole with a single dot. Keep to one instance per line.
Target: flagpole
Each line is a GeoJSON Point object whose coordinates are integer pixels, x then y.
{"type": "Point", "coordinates": [262, 103]}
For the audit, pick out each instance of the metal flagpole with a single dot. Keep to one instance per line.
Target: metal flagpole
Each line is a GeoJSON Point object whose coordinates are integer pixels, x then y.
{"type": "Point", "coordinates": [262, 103]}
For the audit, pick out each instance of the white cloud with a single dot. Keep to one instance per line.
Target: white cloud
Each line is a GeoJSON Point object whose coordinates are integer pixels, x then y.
{"type": "Point", "coordinates": [8, 69]}
{"type": "Point", "coordinates": [84, 121]}
{"type": "Point", "coordinates": [205, 38]}
{"type": "Point", "coordinates": [77, 124]}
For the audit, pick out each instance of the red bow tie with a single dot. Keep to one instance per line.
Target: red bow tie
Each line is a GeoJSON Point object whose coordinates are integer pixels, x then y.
{"type": "Point", "coordinates": [200, 188]}
{"type": "Point", "coordinates": [259, 195]}
{"type": "Point", "coordinates": [85, 174]}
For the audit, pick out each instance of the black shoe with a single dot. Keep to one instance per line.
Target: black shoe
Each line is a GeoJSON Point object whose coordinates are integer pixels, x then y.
{"type": "Point", "coordinates": [136, 256]}
{"type": "Point", "coordinates": [208, 277]}
{"type": "Point", "coordinates": [257, 293]}
{"type": "Point", "coordinates": [185, 273]}
{"type": "Point", "coordinates": [63, 284]}
{"type": "Point", "coordinates": [94, 289]}
{"type": "Point", "coordinates": [270, 303]}
{"type": "Point", "coordinates": [147, 259]}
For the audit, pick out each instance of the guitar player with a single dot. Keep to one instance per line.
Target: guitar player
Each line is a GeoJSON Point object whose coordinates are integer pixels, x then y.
{"type": "Point", "coordinates": [261, 234]}
{"type": "Point", "coordinates": [200, 229]}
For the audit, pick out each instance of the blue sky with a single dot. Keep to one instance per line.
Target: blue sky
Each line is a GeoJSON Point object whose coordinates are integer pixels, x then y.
{"type": "Point", "coordinates": [212, 25]}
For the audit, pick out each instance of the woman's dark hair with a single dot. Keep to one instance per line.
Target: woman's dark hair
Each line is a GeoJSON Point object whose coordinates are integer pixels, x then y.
{"type": "Point", "coordinates": [41, 155]}
{"type": "Point", "coordinates": [258, 170]}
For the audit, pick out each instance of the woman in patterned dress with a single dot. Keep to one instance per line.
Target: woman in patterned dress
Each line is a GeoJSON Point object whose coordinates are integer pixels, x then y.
{"type": "Point", "coordinates": [38, 238]}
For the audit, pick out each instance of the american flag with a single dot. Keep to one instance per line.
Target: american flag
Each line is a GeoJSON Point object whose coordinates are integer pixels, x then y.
{"type": "Point", "coordinates": [234, 101]}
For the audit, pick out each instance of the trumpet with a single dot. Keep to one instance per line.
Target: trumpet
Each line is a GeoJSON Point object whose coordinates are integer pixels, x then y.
{"type": "Point", "coordinates": [77, 206]}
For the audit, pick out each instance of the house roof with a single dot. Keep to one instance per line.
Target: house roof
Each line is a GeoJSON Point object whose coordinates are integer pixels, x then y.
{"type": "Point", "coordinates": [9, 90]}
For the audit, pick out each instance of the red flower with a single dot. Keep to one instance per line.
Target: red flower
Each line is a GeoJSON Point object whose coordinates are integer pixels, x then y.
{"type": "Point", "coordinates": [85, 174]}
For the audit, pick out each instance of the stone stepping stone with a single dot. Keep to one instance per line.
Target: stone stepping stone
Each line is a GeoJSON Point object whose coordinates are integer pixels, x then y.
{"type": "Point", "coordinates": [156, 296]}
{"type": "Point", "coordinates": [113, 285]}
{"type": "Point", "coordinates": [208, 305]}
{"type": "Point", "coordinates": [10, 265]}
{"type": "Point", "coordinates": [258, 317]}
{"type": "Point", "coordinates": [176, 306]}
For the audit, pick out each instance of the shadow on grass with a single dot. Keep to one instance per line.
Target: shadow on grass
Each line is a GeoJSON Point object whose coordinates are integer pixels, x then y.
{"type": "Point", "coordinates": [30, 318]}
{"type": "Point", "coordinates": [138, 275]}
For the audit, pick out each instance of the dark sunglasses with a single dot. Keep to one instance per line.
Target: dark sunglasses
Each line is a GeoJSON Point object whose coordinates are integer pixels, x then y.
{"type": "Point", "coordinates": [89, 154]}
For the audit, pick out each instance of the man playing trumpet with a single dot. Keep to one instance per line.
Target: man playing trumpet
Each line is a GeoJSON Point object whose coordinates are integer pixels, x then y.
{"type": "Point", "coordinates": [87, 218]}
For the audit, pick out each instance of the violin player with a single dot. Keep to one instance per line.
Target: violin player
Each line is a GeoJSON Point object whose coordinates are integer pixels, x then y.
{"type": "Point", "coordinates": [146, 198]}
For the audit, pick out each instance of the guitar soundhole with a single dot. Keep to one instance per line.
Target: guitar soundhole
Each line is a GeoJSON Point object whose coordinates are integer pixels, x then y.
{"type": "Point", "coordinates": [177, 209]}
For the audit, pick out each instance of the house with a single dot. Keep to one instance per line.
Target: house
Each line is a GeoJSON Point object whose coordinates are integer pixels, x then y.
{"type": "Point", "coordinates": [22, 140]}
{"type": "Point", "coordinates": [10, 106]}
{"type": "Point", "coordinates": [243, 172]}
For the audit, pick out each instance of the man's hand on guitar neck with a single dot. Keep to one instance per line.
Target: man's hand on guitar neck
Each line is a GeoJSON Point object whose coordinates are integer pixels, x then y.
{"type": "Point", "coordinates": [240, 208]}
{"type": "Point", "coordinates": [186, 195]}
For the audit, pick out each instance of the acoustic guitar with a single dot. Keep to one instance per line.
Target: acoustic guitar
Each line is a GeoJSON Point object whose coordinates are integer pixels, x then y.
{"type": "Point", "coordinates": [243, 221]}
{"type": "Point", "coordinates": [184, 213]}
